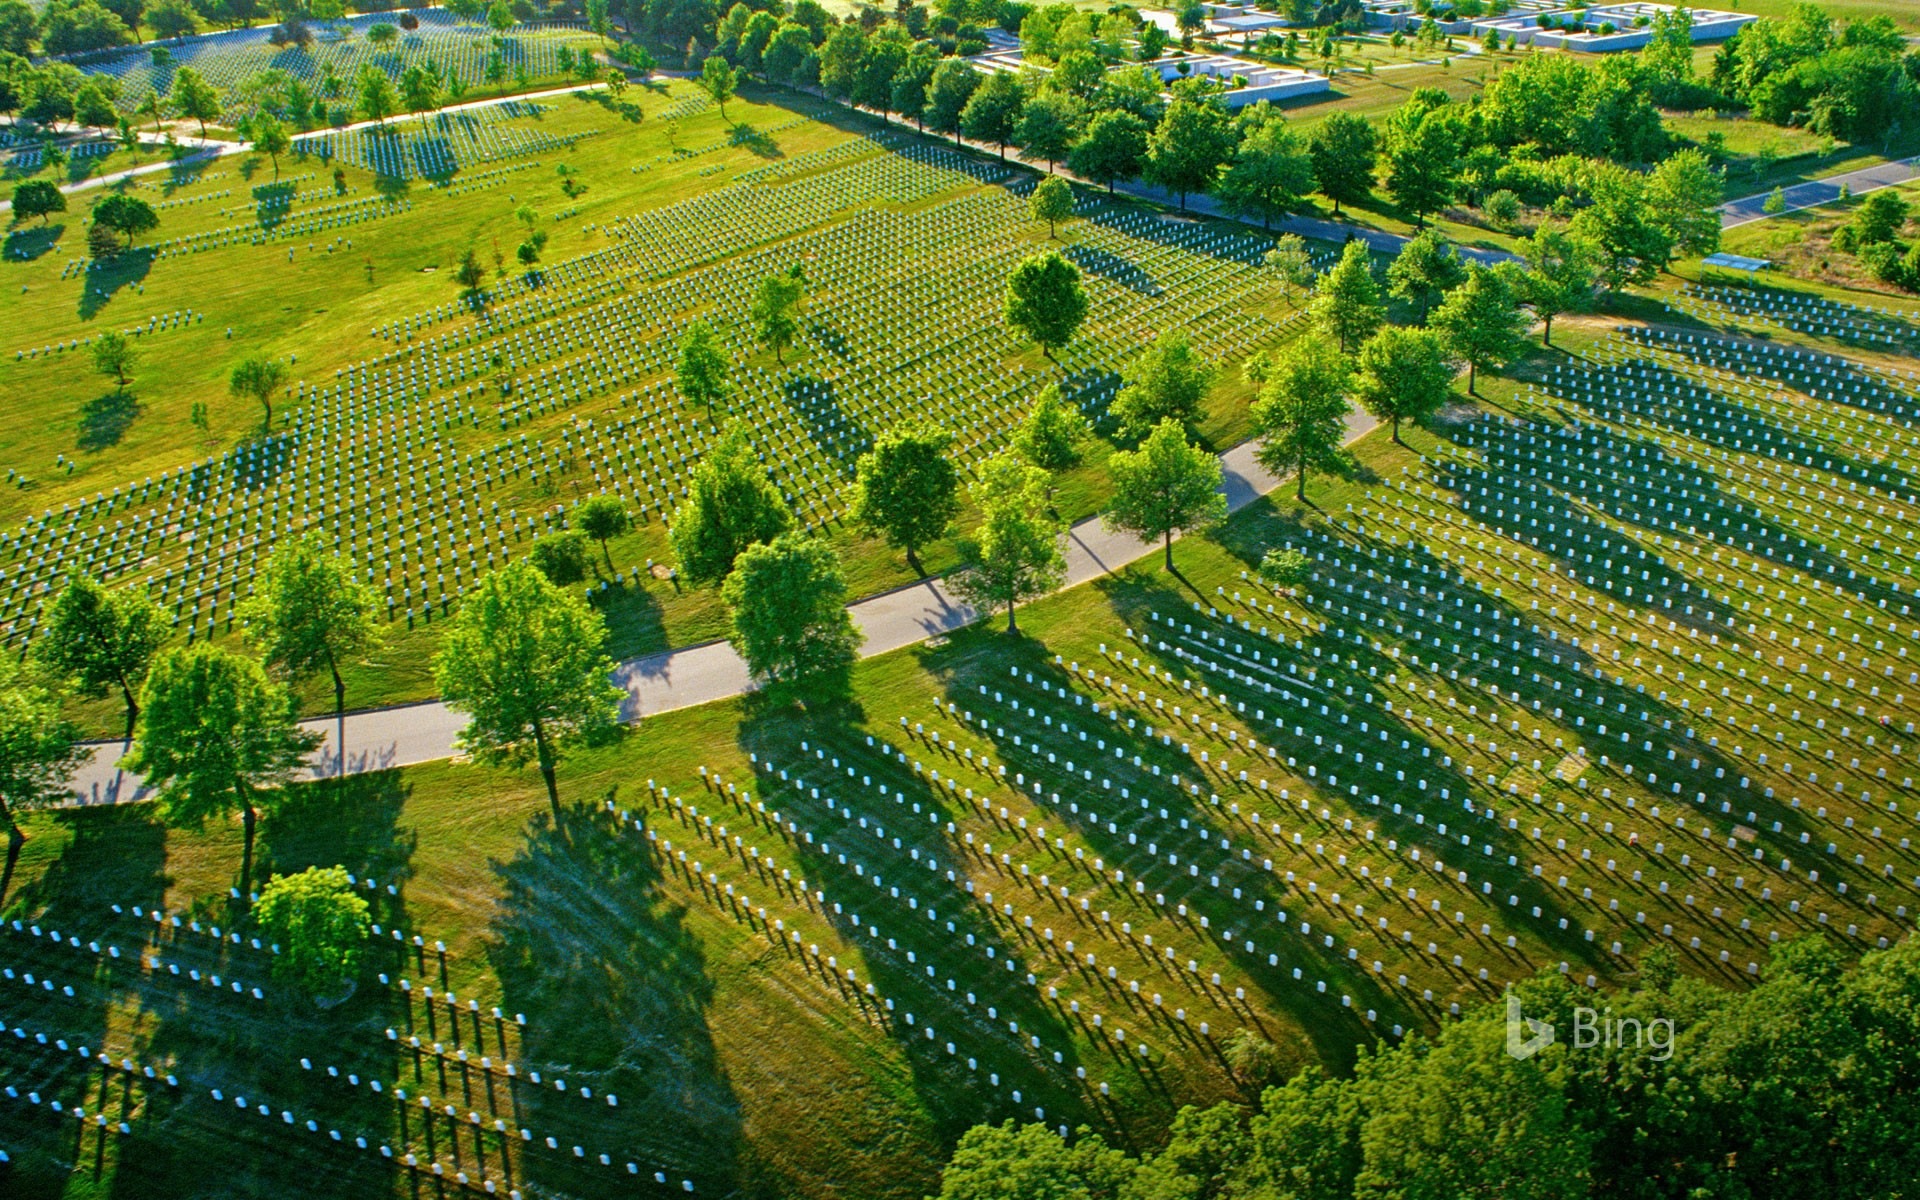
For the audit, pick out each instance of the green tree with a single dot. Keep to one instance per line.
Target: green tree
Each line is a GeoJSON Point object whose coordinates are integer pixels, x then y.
{"type": "Point", "coordinates": [1052, 433]}
{"type": "Point", "coordinates": [1017, 551]}
{"type": "Point", "coordinates": [911, 89]}
{"type": "Point", "coordinates": [1291, 263]}
{"type": "Point", "coordinates": [1427, 268]}
{"type": "Point", "coordinates": [717, 80]}
{"type": "Point", "coordinates": [840, 60]}
{"type": "Point", "coordinates": [776, 308]}
{"type": "Point", "coordinates": [1346, 301]}
{"type": "Point", "coordinates": [1423, 146]}
{"type": "Point", "coordinates": [320, 926]}
{"type": "Point", "coordinates": [258, 377]}
{"type": "Point", "coordinates": [702, 372]}
{"type": "Point", "coordinates": [39, 748]}
{"type": "Point", "coordinates": [1345, 150]}
{"type": "Point", "coordinates": [603, 518]}
{"type": "Point", "coordinates": [102, 639]}
{"type": "Point", "coordinates": [1166, 486]}
{"type": "Point", "coordinates": [1403, 375]}
{"type": "Point", "coordinates": [126, 215]}
{"type": "Point", "coordinates": [1190, 145]}
{"type": "Point", "coordinates": [193, 97]}
{"type": "Point", "coordinates": [1618, 224]}
{"type": "Point", "coordinates": [1271, 171]}
{"type": "Point", "coordinates": [38, 198]}
{"type": "Point", "coordinates": [114, 355]}
{"type": "Point", "coordinates": [1300, 413]}
{"type": "Point", "coordinates": [420, 90]}
{"type": "Point", "coordinates": [1052, 202]}
{"type": "Point", "coordinates": [1482, 321]}
{"type": "Point", "coordinates": [377, 98]}
{"type": "Point", "coordinates": [993, 111]}
{"type": "Point", "coordinates": [561, 556]}
{"type": "Point", "coordinates": [906, 489]}
{"type": "Point", "coordinates": [216, 734]}
{"type": "Point", "coordinates": [1045, 300]}
{"type": "Point", "coordinates": [787, 603]}
{"type": "Point", "coordinates": [1683, 197]}
{"type": "Point", "coordinates": [787, 53]}
{"type": "Point", "coordinates": [730, 505]}
{"type": "Point", "coordinates": [523, 659]}
{"type": "Point", "coordinates": [1049, 125]}
{"type": "Point", "coordinates": [1775, 203]}
{"type": "Point", "coordinates": [382, 33]}
{"type": "Point", "coordinates": [309, 612]}
{"type": "Point", "coordinates": [1561, 275]}
{"type": "Point", "coordinates": [270, 138]}
{"type": "Point", "coordinates": [1879, 218]}
{"type": "Point", "coordinates": [954, 82]}
{"type": "Point", "coordinates": [470, 274]}
{"type": "Point", "coordinates": [1168, 382]}
{"type": "Point", "coordinates": [1114, 147]}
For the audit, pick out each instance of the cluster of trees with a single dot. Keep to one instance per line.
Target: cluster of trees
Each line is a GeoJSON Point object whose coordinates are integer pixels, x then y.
{"type": "Point", "coordinates": [1799, 1085]}
{"type": "Point", "coordinates": [1860, 83]}
{"type": "Point", "coordinates": [1873, 233]}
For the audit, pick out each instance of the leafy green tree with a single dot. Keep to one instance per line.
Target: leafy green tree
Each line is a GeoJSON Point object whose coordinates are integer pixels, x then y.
{"type": "Point", "coordinates": [1630, 248]}
{"type": "Point", "coordinates": [377, 98]}
{"type": "Point", "coordinates": [470, 274]}
{"type": "Point", "coordinates": [1561, 274]}
{"type": "Point", "coordinates": [523, 658]}
{"type": "Point", "coordinates": [1270, 172]}
{"type": "Point", "coordinates": [1046, 301]}
{"type": "Point", "coordinates": [1683, 197]}
{"type": "Point", "coordinates": [39, 748]}
{"type": "Point", "coordinates": [1188, 148]}
{"type": "Point", "coordinates": [1017, 553]}
{"type": "Point", "coordinates": [1345, 151]}
{"type": "Point", "coordinates": [1114, 147]}
{"type": "Point", "coordinates": [840, 60]}
{"type": "Point", "coordinates": [1052, 202]}
{"type": "Point", "coordinates": [193, 97]}
{"type": "Point", "coordinates": [1168, 382]}
{"type": "Point", "coordinates": [717, 80]}
{"type": "Point", "coordinates": [382, 33]}
{"type": "Point", "coordinates": [1427, 268]}
{"type": "Point", "coordinates": [114, 355]}
{"type": "Point", "coordinates": [954, 82]}
{"type": "Point", "coordinates": [906, 489]}
{"type": "Point", "coordinates": [129, 216]}
{"type": "Point", "coordinates": [730, 505]}
{"type": "Point", "coordinates": [882, 57]}
{"type": "Point", "coordinates": [1049, 125]}
{"type": "Point", "coordinates": [1775, 203]}
{"type": "Point", "coordinates": [1879, 218]}
{"type": "Point", "coordinates": [270, 138]}
{"type": "Point", "coordinates": [776, 308]}
{"type": "Point", "coordinates": [787, 53]}
{"type": "Point", "coordinates": [420, 90]}
{"type": "Point", "coordinates": [1001, 1162]}
{"type": "Point", "coordinates": [1300, 413]}
{"type": "Point", "coordinates": [38, 198]}
{"type": "Point", "coordinates": [102, 639]}
{"type": "Point", "coordinates": [1285, 568]}
{"type": "Point", "coordinates": [1404, 375]}
{"type": "Point", "coordinates": [1052, 433]}
{"type": "Point", "coordinates": [911, 89]}
{"type": "Point", "coordinates": [787, 603]}
{"type": "Point", "coordinates": [1424, 142]}
{"type": "Point", "coordinates": [701, 374]}
{"type": "Point", "coordinates": [1482, 321]}
{"type": "Point", "coordinates": [1291, 263]}
{"type": "Point", "coordinates": [320, 925]}
{"type": "Point", "coordinates": [993, 110]}
{"type": "Point", "coordinates": [603, 518]}
{"type": "Point", "coordinates": [561, 556]}
{"type": "Point", "coordinates": [216, 734]}
{"type": "Point", "coordinates": [309, 613]}
{"type": "Point", "coordinates": [1346, 301]}
{"type": "Point", "coordinates": [258, 377]}
{"type": "Point", "coordinates": [1166, 486]}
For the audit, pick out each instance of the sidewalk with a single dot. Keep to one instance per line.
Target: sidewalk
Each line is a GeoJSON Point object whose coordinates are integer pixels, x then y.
{"type": "Point", "coordinates": [1816, 192]}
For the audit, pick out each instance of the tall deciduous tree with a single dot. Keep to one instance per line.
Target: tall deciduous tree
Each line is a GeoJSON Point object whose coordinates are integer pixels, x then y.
{"type": "Point", "coordinates": [1051, 435]}
{"type": "Point", "coordinates": [1166, 486]}
{"type": "Point", "coordinates": [1114, 147]}
{"type": "Point", "coordinates": [1300, 414]}
{"type": "Point", "coordinates": [1482, 321]}
{"type": "Point", "coordinates": [1424, 142]}
{"type": "Point", "coordinates": [776, 312]}
{"type": "Point", "coordinates": [1404, 375]}
{"type": "Point", "coordinates": [701, 374]}
{"type": "Point", "coordinates": [1427, 268]}
{"type": "Point", "coordinates": [38, 198]}
{"type": "Point", "coordinates": [320, 925]}
{"type": "Point", "coordinates": [1345, 150]}
{"type": "Point", "coordinates": [717, 80]}
{"type": "Point", "coordinates": [1561, 274]}
{"type": "Point", "coordinates": [992, 113]}
{"type": "Point", "coordinates": [1046, 301]}
{"type": "Point", "coordinates": [524, 660]}
{"type": "Point", "coordinates": [216, 734]}
{"type": "Point", "coordinates": [114, 355]}
{"type": "Point", "coordinates": [1190, 145]}
{"type": "Point", "coordinates": [1290, 263]}
{"type": "Point", "coordinates": [1049, 125]}
{"type": "Point", "coordinates": [270, 138]}
{"type": "Point", "coordinates": [906, 489]}
{"type": "Point", "coordinates": [1631, 248]}
{"type": "Point", "coordinates": [193, 97]}
{"type": "Point", "coordinates": [1168, 382]}
{"type": "Point", "coordinates": [603, 518]}
{"type": "Point", "coordinates": [954, 82]}
{"type": "Point", "coordinates": [102, 639]}
{"type": "Point", "coordinates": [258, 377]}
{"type": "Point", "coordinates": [1017, 552]}
{"type": "Point", "coordinates": [309, 613]}
{"type": "Point", "coordinates": [1270, 171]}
{"type": "Point", "coordinates": [787, 602]}
{"type": "Point", "coordinates": [1683, 197]}
{"type": "Point", "coordinates": [730, 505]}
{"type": "Point", "coordinates": [1346, 301]}
{"type": "Point", "coordinates": [39, 748]}
{"type": "Point", "coordinates": [1052, 202]}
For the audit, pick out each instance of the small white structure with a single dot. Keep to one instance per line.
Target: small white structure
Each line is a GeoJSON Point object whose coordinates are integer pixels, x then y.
{"type": "Point", "coordinates": [1604, 28]}
{"type": "Point", "coordinates": [1246, 82]}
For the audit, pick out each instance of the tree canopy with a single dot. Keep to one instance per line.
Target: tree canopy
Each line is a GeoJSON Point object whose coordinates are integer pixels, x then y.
{"type": "Point", "coordinates": [787, 604]}
{"type": "Point", "coordinates": [730, 505]}
{"type": "Point", "coordinates": [102, 639]}
{"type": "Point", "coordinates": [1046, 301]}
{"type": "Point", "coordinates": [310, 612]}
{"type": "Point", "coordinates": [320, 925]}
{"type": "Point", "coordinates": [1165, 487]}
{"type": "Point", "coordinates": [906, 489]}
{"type": "Point", "coordinates": [1016, 553]}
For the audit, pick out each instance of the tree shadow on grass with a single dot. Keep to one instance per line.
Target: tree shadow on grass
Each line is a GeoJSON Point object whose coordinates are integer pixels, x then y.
{"type": "Point", "coordinates": [616, 991]}
{"type": "Point", "coordinates": [105, 419]}
{"type": "Point", "coordinates": [106, 276]}
{"type": "Point", "coordinates": [30, 242]}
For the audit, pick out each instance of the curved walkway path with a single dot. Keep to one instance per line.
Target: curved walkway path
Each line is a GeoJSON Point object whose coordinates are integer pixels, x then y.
{"type": "Point", "coordinates": [380, 739]}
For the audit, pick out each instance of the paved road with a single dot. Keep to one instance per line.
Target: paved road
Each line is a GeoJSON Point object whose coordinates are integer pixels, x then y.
{"type": "Point", "coordinates": [1814, 193]}
{"type": "Point", "coordinates": [658, 683]}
